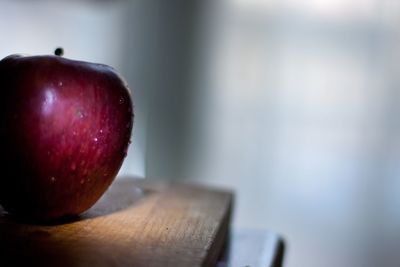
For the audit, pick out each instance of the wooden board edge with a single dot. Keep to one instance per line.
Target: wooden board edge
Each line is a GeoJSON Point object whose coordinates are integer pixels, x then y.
{"type": "Point", "coordinates": [216, 248]}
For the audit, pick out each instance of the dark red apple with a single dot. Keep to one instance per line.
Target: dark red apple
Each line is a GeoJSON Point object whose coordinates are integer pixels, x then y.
{"type": "Point", "coordinates": [65, 128]}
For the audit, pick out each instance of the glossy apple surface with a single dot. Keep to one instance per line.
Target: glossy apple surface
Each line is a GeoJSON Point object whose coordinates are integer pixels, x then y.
{"type": "Point", "coordinates": [65, 128]}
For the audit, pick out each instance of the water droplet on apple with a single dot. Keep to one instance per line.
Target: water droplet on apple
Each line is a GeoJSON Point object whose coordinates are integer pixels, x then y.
{"type": "Point", "coordinates": [60, 83]}
{"type": "Point", "coordinates": [74, 133]}
{"type": "Point", "coordinates": [95, 139]}
{"type": "Point", "coordinates": [79, 114]}
{"type": "Point", "coordinates": [53, 179]}
{"type": "Point", "coordinates": [105, 174]}
{"type": "Point", "coordinates": [129, 142]}
{"type": "Point", "coordinates": [73, 166]}
{"type": "Point", "coordinates": [83, 162]}
{"type": "Point", "coordinates": [121, 100]}
{"type": "Point", "coordinates": [101, 131]}
{"type": "Point", "coordinates": [128, 125]}
{"type": "Point", "coordinates": [82, 181]}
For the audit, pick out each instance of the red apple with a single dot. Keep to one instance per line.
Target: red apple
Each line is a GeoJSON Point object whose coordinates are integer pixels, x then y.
{"type": "Point", "coordinates": [65, 128]}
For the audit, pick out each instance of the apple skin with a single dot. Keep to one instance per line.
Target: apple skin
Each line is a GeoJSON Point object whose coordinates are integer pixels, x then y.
{"type": "Point", "coordinates": [65, 128]}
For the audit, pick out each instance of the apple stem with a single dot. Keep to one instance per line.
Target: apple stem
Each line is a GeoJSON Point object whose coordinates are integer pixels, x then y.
{"type": "Point", "coordinates": [59, 51]}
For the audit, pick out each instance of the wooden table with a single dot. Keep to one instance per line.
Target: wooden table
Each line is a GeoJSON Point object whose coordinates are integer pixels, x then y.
{"type": "Point", "coordinates": [136, 223]}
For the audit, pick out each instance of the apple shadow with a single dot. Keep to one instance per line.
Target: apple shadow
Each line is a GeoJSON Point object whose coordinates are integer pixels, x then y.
{"type": "Point", "coordinates": [123, 193]}
{"type": "Point", "coordinates": [27, 244]}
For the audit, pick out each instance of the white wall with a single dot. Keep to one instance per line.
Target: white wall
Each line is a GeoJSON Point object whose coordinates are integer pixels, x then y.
{"type": "Point", "coordinates": [296, 108]}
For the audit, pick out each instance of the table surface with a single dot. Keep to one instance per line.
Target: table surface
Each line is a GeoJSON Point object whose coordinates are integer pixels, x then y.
{"type": "Point", "coordinates": [136, 223]}
{"type": "Point", "coordinates": [143, 223]}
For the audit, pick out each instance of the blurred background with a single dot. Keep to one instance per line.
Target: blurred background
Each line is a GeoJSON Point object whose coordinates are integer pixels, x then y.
{"type": "Point", "coordinates": [293, 104]}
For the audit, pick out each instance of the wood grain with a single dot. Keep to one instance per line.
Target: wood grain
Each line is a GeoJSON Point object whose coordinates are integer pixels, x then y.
{"type": "Point", "coordinates": [136, 223]}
